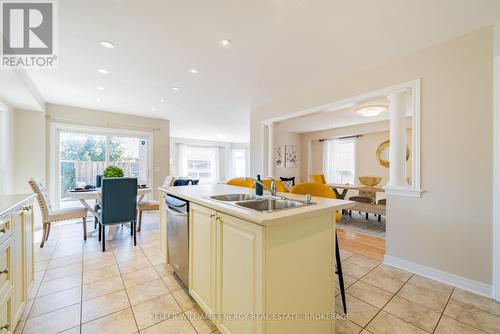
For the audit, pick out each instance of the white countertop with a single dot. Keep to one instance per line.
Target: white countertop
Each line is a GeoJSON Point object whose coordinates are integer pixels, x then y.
{"type": "Point", "coordinates": [9, 202]}
{"type": "Point", "coordinates": [200, 194]}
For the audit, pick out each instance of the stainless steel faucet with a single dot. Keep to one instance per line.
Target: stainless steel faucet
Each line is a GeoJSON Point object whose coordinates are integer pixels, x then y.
{"type": "Point", "coordinates": [273, 188]}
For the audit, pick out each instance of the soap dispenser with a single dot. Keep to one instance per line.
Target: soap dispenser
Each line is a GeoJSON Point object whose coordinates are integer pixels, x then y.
{"type": "Point", "coordinates": [259, 190]}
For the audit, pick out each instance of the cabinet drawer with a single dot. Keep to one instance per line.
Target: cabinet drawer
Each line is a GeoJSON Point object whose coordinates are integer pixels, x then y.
{"type": "Point", "coordinates": [5, 315]}
{"type": "Point", "coordinates": [5, 228]}
{"type": "Point", "coordinates": [5, 264]}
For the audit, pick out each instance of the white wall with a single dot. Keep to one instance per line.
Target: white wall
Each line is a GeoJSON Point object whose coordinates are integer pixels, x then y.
{"type": "Point", "coordinates": [7, 149]}
{"type": "Point", "coordinates": [283, 138]}
{"type": "Point", "coordinates": [447, 229]}
{"type": "Point", "coordinates": [86, 117]}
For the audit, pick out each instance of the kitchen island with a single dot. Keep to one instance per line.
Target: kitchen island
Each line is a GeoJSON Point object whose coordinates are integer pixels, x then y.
{"type": "Point", "coordinates": [259, 272]}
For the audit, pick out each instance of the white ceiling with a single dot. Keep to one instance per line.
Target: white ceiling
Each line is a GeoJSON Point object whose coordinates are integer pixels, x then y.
{"type": "Point", "coordinates": [279, 47]}
{"type": "Point", "coordinates": [339, 118]}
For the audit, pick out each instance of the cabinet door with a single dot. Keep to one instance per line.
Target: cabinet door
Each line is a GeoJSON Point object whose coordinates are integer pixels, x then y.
{"type": "Point", "coordinates": [29, 251]}
{"type": "Point", "coordinates": [202, 265]}
{"type": "Point", "coordinates": [240, 275]}
{"type": "Point", "coordinates": [18, 268]}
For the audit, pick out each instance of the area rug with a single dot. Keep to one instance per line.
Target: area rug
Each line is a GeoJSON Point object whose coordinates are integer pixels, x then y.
{"type": "Point", "coordinates": [358, 223]}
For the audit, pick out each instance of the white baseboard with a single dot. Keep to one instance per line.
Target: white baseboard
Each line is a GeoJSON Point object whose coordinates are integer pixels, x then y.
{"type": "Point", "coordinates": [441, 276]}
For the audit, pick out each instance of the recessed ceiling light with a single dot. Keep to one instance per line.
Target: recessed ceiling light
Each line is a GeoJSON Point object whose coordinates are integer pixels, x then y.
{"type": "Point", "coordinates": [194, 71]}
{"type": "Point", "coordinates": [371, 111]}
{"type": "Point", "coordinates": [107, 44]}
{"type": "Point", "coordinates": [100, 88]}
{"type": "Point", "coordinates": [152, 109]}
{"type": "Point", "coordinates": [162, 100]}
{"type": "Point", "coordinates": [225, 42]}
{"type": "Point", "coordinates": [175, 88]}
{"type": "Point", "coordinates": [99, 99]}
{"type": "Point", "coordinates": [102, 71]}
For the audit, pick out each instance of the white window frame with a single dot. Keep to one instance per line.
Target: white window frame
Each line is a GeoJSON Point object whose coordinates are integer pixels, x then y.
{"type": "Point", "coordinates": [218, 161]}
{"type": "Point", "coordinates": [54, 163]}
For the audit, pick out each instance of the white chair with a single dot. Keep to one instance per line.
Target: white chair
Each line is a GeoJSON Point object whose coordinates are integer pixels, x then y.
{"type": "Point", "coordinates": [50, 216]}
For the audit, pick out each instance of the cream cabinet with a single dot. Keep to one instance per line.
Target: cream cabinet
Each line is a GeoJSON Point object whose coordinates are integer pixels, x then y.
{"type": "Point", "coordinates": [202, 256]}
{"type": "Point", "coordinates": [257, 279]}
{"type": "Point", "coordinates": [16, 259]}
{"type": "Point", "coordinates": [239, 275]}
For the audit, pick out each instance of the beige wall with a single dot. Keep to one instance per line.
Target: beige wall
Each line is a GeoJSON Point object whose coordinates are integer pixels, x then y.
{"type": "Point", "coordinates": [7, 149]}
{"type": "Point", "coordinates": [447, 228]}
{"type": "Point", "coordinates": [284, 138]}
{"type": "Point", "coordinates": [87, 117]}
{"type": "Point", "coordinates": [30, 154]}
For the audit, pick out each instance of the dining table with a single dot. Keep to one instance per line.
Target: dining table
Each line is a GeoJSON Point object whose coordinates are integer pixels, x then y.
{"type": "Point", "coordinates": [346, 187]}
{"type": "Point", "coordinates": [341, 190]}
{"type": "Point", "coordinates": [85, 196]}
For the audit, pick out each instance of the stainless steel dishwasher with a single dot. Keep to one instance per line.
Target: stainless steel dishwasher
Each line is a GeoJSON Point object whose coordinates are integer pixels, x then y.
{"type": "Point", "coordinates": [178, 236]}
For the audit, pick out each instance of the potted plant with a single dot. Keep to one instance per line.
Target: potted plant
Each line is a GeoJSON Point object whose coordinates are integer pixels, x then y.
{"type": "Point", "coordinates": [112, 171]}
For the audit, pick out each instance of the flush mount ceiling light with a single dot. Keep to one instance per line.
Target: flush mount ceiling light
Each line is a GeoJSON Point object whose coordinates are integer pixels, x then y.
{"type": "Point", "coordinates": [175, 88]}
{"type": "Point", "coordinates": [371, 111]}
{"type": "Point", "coordinates": [102, 71]}
{"type": "Point", "coordinates": [162, 100]}
{"type": "Point", "coordinates": [194, 71]}
{"type": "Point", "coordinates": [107, 44]}
{"type": "Point", "coordinates": [225, 42]}
{"type": "Point", "coordinates": [100, 88]}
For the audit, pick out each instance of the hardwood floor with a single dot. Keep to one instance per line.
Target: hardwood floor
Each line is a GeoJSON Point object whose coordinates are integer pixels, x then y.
{"type": "Point", "coordinates": [359, 243]}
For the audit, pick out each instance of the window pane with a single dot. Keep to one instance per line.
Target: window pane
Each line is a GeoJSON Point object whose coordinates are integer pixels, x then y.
{"type": "Point", "coordinates": [198, 163]}
{"type": "Point", "coordinates": [239, 162]}
{"type": "Point", "coordinates": [130, 154]}
{"type": "Point", "coordinates": [82, 157]}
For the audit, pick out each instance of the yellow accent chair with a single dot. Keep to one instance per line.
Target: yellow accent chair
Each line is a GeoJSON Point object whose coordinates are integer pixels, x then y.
{"type": "Point", "coordinates": [319, 178]}
{"type": "Point", "coordinates": [320, 190]}
{"type": "Point", "coordinates": [280, 186]}
{"type": "Point", "coordinates": [241, 182]}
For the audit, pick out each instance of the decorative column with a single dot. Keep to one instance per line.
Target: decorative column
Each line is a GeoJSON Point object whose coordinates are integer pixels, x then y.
{"type": "Point", "coordinates": [309, 159]}
{"type": "Point", "coordinates": [262, 150]}
{"type": "Point", "coordinates": [398, 104]}
{"type": "Point", "coordinates": [270, 149]}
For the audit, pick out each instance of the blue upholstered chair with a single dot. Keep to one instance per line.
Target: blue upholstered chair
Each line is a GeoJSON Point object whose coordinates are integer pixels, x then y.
{"type": "Point", "coordinates": [118, 205]}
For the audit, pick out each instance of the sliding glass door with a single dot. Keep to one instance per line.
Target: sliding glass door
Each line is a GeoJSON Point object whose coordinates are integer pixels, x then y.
{"type": "Point", "coordinates": [83, 155]}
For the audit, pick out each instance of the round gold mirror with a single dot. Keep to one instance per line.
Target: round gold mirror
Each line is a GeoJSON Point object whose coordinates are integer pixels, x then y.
{"type": "Point", "coordinates": [383, 154]}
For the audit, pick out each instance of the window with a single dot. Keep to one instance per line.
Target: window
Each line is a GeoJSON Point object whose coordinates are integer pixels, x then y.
{"type": "Point", "coordinates": [239, 162]}
{"type": "Point", "coordinates": [199, 163]}
{"type": "Point", "coordinates": [339, 160]}
{"type": "Point", "coordinates": [84, 155]}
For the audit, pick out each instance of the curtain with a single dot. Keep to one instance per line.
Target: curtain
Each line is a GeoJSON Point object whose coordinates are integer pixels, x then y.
{"type": "Point", "coordinates": [328, 161]}
{"type": "Point", "coordinates": [182, 165]}
{"type": "Point", "coordinates": [239, 160]}
{"type": "Point", "coordinates": [339, 160]}
{"type": "Point", "coordinates": [214, 172]}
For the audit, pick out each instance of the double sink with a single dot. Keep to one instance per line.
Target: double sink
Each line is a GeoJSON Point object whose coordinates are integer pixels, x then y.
{"type": "Point", "coordinates": [260, 203]}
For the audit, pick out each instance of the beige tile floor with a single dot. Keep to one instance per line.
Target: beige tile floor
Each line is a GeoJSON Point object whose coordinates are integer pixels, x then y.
{"type": "Point", "coordinates": [383, 299]}
{"type": "Point", "coordinates": [128, 289]}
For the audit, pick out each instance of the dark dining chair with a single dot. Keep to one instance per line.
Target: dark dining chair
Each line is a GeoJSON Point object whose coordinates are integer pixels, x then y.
{"type": "Point", "coordinates": [118, 205]}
